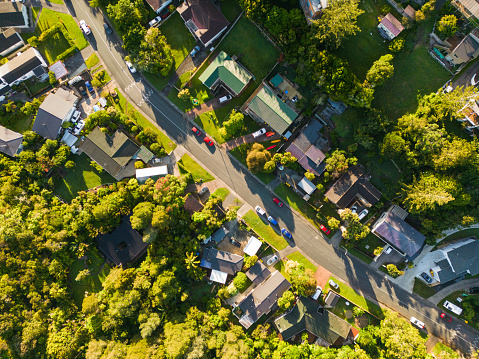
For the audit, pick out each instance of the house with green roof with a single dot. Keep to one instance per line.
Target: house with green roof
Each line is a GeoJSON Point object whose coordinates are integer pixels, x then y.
{"type": "Point", "coordinates": [224, 72]}
{"type": "Point", "coordinates": [265, 106]}
{"type": "Point", "coordinates": [308, 315]}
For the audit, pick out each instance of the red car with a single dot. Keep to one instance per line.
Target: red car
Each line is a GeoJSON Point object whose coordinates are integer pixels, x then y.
{"type": "Point", "coordinates": [278, 202]}
{"type": "Point", "coordinates": [446, 317]}
{"type": "Point", "coordinates": [208, 141]}
{"type": "Point", "coordinates": [196, 131]}
{"type": "Point", "coordinates": [324, 229]}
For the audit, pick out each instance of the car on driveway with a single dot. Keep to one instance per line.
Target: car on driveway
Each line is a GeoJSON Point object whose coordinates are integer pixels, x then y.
{"type": "Point", "coordinates": [333, 284]}
{"type": "Point", "coordinates": [130, 67]}
{"type": "Point", "coordinates": [318, 292]}
{"type": "Point", "coordinates": [474, 290]}
{"type": "Point", "coordinates": [363, 214]}
{"type": "Point", "coordinates": [203, 190]}
{"type": "Point", "coordinates": [278, 202]}
{"type": "Point", "coordinates": [107, 28]}
{"type": "Point", "coordinates": [84, 27]}
{"type": "Point", "coordinates": [259, 132]}
{"type": "Point", "coordinates": [272, 260]}
{"type": "Point", "coordinates": [260, 210]}
{"type": "Point", "coordinates": [417, 323]}
{"type": "Point", "coordinates": [155, 22]}
{"type": "Point", "coordinates": [164, 13]}
{"type": "Point", "coordinates": [195, 51]}
{"type": "Point", "coordinates": [235, 242]}
{"type": "Point", "coordinates": [324, 229]}
{"type": "Point", "coordinates": [196, 131]}
{"type": "Point", "coordinates": [89, 87]}
{"type": "Point", "coordinates": [426, 278]}
{"type": "Point", "coordinates": [272, 220]}
{"type": "Point", "coordinates": [208, 141]}
{"type": "Point", "coordinates": [75, 80]}
{"type": "Point", "coordinates": [446, 317]}
{"type": "Point", "coordinates": [285, 233]}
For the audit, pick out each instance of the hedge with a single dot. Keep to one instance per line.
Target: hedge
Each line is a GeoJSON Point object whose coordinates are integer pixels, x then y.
{"type": "Point", "coordinates": [49, 33]}
{"type": "Point", "coordinates": [67, 53]}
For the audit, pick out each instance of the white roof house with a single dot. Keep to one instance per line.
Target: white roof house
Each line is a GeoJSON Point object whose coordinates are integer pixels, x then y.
{"type": "Point", "coordinates": [218, 276]}
{"type": "Point", "coordinates": [307, 186]}
{"type": "Point", "coordinates": [142, 174]}
{"type": "Point", "coordinates": [253, 246]}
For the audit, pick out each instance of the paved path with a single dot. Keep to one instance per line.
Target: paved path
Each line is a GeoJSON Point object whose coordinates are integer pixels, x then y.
{"type": "Point", "coordinates": [463, 284]}
{"type": "Point", "coordinates": [205, 107]}
{"type": "Point", "coordinates": [248, 139]}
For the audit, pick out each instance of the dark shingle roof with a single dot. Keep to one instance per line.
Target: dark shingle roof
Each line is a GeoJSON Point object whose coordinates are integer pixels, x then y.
{"type": "Point", "coordinates": [258, 273]}
{"type": "Point", "coordinates": [122, 246]}
{"type": "Point", "coordinates": [223, 261]}
{"type": "Point", "coordinates": [349, 185]}
{"type": "Point", "coordinates": [11, 14]}
{"type": "Point", "coordinates": [305, 316]}
{"type": "Point", "coordinates": [219, 234]}
{"type": "Point", "coordinates": [9, 38]}
{"type": "Point", "coordinates": [4, 90]}
{"type": "Point", "coordinates": [399, 234]}
{"type": "Point", "coordinates": [20, 65]}
{"type": "Point", "coordinates": [10, 141]}
{"type": "Point", "coordinates": [206, 17]}
{"type": "Point", "coordinates": [465, 257]}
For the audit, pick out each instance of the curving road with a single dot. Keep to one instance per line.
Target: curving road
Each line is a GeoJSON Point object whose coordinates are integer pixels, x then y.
{"type": "Point", "coordinates": [359, 275]}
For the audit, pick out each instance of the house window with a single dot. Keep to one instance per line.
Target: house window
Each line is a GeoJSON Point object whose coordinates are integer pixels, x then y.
{"type": "Point", "coordinates": [122, 245]}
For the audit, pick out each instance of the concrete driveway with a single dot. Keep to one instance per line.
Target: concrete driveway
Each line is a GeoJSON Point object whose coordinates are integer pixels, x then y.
{"type": "Point", "coordinates": [469, 77]}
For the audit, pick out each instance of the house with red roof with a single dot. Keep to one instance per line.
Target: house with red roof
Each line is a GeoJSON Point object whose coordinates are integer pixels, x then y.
{"type": "Point", "coordinates": [390, 27]}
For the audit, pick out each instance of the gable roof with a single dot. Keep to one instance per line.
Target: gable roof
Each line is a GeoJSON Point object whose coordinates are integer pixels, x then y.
{"type": "Point", "coordinates": [11, 14]}
{"type": "Point", "coordinates": [472, 7]}
{"type": "Point", "coordinates": [410, 11]}
{"type": "Point", "coordinates": [157, 4]}
{"type": "Point", "coordinates": [392, 24]}
{"type": "Point", "coordinates": [258, 273]}
{"type": "Point", "coordinates": [10, 141]}
{"type": "Point", "coordinates": [123, 245]}
{"type": "Point", "coordinates": [20, 65]}
{"type": "Point", "coordinates": [399, 234]}
{"type": "Point", "coordinates": [223, 261]}
{"type": "Point", "coordinates": [207, 19]}
{"type": "Point", "coordinates": [464, 256]}
{"type": "Point", "coordinates": [192, 204]}
{"type": "Point", "coordinates": [228, 71]}
{"type": "Point", "coordinates": [260, 300]}
{"type": "Point", "coordinates": [351, 184]}
{"type": "Point", "coordinates": [9, 38]}
{"type": "Point", "coordinates": [466, 48]}
{"type": "Point", "coordinates": [305, 316]}
{"type": "Point", "coordinates": [272, 110]}
{"type": "Point", "coordinates": [219, 234]}
{"type": "Point", "coordinates": [111, 152]}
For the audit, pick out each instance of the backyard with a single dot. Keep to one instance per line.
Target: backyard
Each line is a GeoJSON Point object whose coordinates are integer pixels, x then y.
{"type": "Point", "coordinates": [297, 257]}
{"type": "Point", "coordinates": [187, 164]}
{"type": "Point", "coordinates": [81, 178]}
{"type": "Point", "coordinates": [344, 310]}
{"type": "Point", "coordinates": [263, 229]}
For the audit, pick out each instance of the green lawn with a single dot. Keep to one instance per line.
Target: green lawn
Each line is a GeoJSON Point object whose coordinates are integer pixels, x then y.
{"type": "Point", "coordinates": [360, 255]}
{"type": "Point", "coordinates": [452, 298]}
{"type": "Point", "coordinates": [443, 351]}
{"type": "Point", "coordinates": [81, 178]}
{"type": "Point", "coordinates": [38, 87]}
{"type": "Point", "coordinates": [199, 173]}
{"type": "Point", "coordinates": [92, 61]}
{"type": "Point", "coordinates": [230, 9]}
{"type": "Point", "coordinates": [240, 154]}
{"type": "Point", "coordinates": [371, 241]}
{"type": "Point", "coordinates": [143, 122]}
{"type": "Point", "coordinates": [298, 257]}
{"type": "Point", "coordinates": [357, 299]}
{"type": "Point", "coordinates": [341, 308]}
{"type": "Point", "coordinates": [178, 37]}
{"type": "Point", "coordinates": [24, 123]}
{"type": "Point", "coordinates": [59, 2]}
{"type": "Point", "coordinates": [265, 231]}
{"type": "Point", "coordinates": [464, 234]}
{"type": "Point", "coordinates": [222, 193]}
{"type": "Point", "coordinates": [422, 289]}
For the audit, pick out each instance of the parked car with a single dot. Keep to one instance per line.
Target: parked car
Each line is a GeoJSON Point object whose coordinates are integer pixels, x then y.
{"type": "Point", "coordinates": [89, 87]}
{"type": "Point", "coordinates": [235, 242]}
{"type": "Point", "coordinates": [196, 131]}
{"type": "Point", "coordinates": [285, 233]}
{"type": "Point", "coordinates": [333, 284]}
{"type": "Point", "coordinates": [82, 91]}
{"type": "Point", "coordinates": [225, 98]}
{"type": "Point", "coordinates": [474, 290]}
{"type": "Point", "coordinates": [107, 28]}
{"type": "Point", "coordinates": [203, 190]}
{"type": "Point", "coordinates": [156, 160]}
{"type": "Point", "coordinates": [75, 80]}
{"type": "Point", "coordinates": [208, 141]}
{"type": "Point", "coordinates": [426, 277]}
{"type": "Point", "coordinates": [452, 307]}
{"type": "Point", "coordinates": [417, 323]}
{"type": "Point", "coordinates": [318, 292]}
{"type": "Point", "coordinates": [272, 260]}
{"type": "Point", "coordinates": [84, 27]}
{"type": "Point", "coordinates": [324, 229]}
{"type": "Point", "coordinates": [130, 67]}
{"type": "Point", "coordinates": [446, 317]}
{"type": "Point", "coordinates": [272, 220]}
{"type": "Point", "coordinates": [195, 51]}
{"type": "Point", "coordinates": [155, 22]}
{"type": "Point", "coordinates": [363, 214]}
{"type": "Point", "coordinates": [76, 116]}
{"type": "Point", "coordinates": [260, 210]}
{"type": "Point", "coordinates": [164, 13]}
{"type": "Point", "coordinates": [278, 202]}
{"type": "Point", "coordinates": [259, 132]}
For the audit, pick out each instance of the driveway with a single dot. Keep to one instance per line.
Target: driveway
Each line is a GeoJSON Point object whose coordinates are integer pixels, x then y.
{"type": "Point", "coordinates": [462, 285]}
{"type": "Point", "coordinates": [469, 77]}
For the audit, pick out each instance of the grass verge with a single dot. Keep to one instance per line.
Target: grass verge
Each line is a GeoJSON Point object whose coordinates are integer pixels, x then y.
{"type": "Point", "coordinates": [199, 173]}
{"type": "Point", "coordinates": [298, 257]}
{"type": "Point", "coordinates": [222, 193]}
{"type": "Point", "coordinates": [92, 61]}
{"type": "Point", "coordinates": [422, 289]}
{"type": "Point", "coordinates": [265, 231]}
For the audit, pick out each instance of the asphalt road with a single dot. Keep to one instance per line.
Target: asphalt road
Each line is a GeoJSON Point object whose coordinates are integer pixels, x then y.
{"type": "Point", "coordinates": [356, 273]}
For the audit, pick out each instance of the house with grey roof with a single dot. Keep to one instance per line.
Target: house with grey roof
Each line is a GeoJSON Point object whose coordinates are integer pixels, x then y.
{"type": "Point", "coordinates": [261, 299]}
{"type": "Point", "coordinates": [13, 14]}
{"type": "Point", "coordinates": [10, 40]}
{"type": "Point", "coordinates": [308, 316]}
{"type": "Point", "coordinates": [221, 264]}
{"type": "Point", "coordinates": [469, 8]}
{"type": "Point", "coordinates": [10, 142]}
{"type": "Point", "coordinates": [57, 108]}
{"type": "Point", "coordinates": [466, 50]}
{"type": "Point", "coordinates": [258, 273]}
{"type": "Point", "coordinates": [226, 73]}
{"type": "Point", "coordinates": [458, 259]}
{"type": "Point", "coordinates": [394, 230]}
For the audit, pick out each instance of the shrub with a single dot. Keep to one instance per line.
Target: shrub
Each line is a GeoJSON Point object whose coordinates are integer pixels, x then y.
{"type": "Point", "coordinates": [3, 61]}
{"type": "Point", "coordinates": [394, 271]}
{"type": "Point", "coordinates": [96, 166]}
{"type": "Point", "coordinates": [309, 175]}
{"type": "Point", "coordinates": [184, 94]}
{"type": "Point", "coordinates": [241, 281]}
{"type": "Point", "coordinates": [99, 79]}
{"type": "Point", "coordinates": [333, 223]}
{"type": "Point", "coordinates": [67, 53]}
{"type": "Point", "coordinates": [69, 164]}
{"type": "Point", "coordinates": [52, 78]}
{"type": "Point", "coordinates": [134, 129]}
{"type": "Point", "coordinates": [286, 301]}
{"type": "Point", "coordinates": [357, 311]}
{"type": "Point", "coordinates": [223, 293]}
{"type": "Point", "coordinates": [140, 164]}
{"type": "Point", "coordinates": [249, 262]}
{"type": "Point", "coordinates": [378, 251]}
{"type": "Point", "coordinates": [396, 45]}
{"type": "Point", "coordinates": [48, 33]}
{"type": "Point", "coordinates": [66, 124]}
{"type": "Point", "coordinates": [33, 41]}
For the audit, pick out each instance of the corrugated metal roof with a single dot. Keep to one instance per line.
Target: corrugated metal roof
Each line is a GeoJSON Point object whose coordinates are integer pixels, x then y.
{"type": "Point", "coordinates": [392, 24]}
{"type": "Point", "coordinates": [472, 6]}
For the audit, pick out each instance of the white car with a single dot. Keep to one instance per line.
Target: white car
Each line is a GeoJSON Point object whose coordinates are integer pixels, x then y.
{"type": "Point", "coordinates": [318, 292]}
{"type": "Point", "coordinates": [333, 284]}
{"type": "Point", "coordinates": [76, 116]}
{"type": "Point", "coordinates": [417, 323]}
{"type": "Point", "coordinates": [259, 133]}
{"type": "Point", "coordinates": [84, 27]}
{"type": "Point", "coordinates": [272, 260]}
{"type": "Point", "coordinates": [363, 214]}
{"type": "Point", "coordinates": [75, 80]}
{"type": "Point", "coordinates": [130, 67]}
{"type": "Point", "coordinates": [260, 210]}
{"type": "Point", "coordinates": [155, 22]}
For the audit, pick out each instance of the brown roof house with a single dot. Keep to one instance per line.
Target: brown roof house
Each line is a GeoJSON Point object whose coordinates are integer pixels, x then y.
{"type": "Point", "coordinates": [158, 5]}
{"type": "Point", "coordinates": [313, 9]}
{"type": "Point", "coordinates": [390, 27]}
{"type": "Point", "coordinates": [410, 12]}
{"type": "Point", "coordinates": [203, 19]}
{"type": "Point", "coordinates": [466, 50]}
{"type": "Point", "coordinates": [353, 186]}
{"type": "Point", "coordinates": [308, 315]}
{"type": "Point", "coordinates": [10, 142]}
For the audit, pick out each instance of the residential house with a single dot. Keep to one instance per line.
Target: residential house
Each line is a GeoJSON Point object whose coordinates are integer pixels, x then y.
{"type": "Point", "coordinates": [394, 230]}
{"type": "Point", "coordinates": [158, 5]}
{"type": "Point", "coordinates": [258, 273]}
{"type": "Point", "coordinates": [261, 299]}
{"type": "Point", "coordinates": [410, 12]}
{"type": "Point", "coordinates": [307, 148]}
{"type": "Point", "coordinates": [307, 187]}
{"type": "Point", "coordinates": [192, 204]}
{"type": "Point", "coordinates": [226, 73]}
{"type": "Point", "coordinates": [57, 108]}
{"type": "Point", "coordinates": [285, 89]}
{"type": "Point", "coordinates": [469, 8]}
{"type": "Point", "coordinates": [59, 70]}
{"type": "Point", "coordinates": [352, 187]}
{"type": "Point", "coordinates": [13, 14]}
{"type": "Point", "coordinates": [221, 264]}
{"type": "Point", "coordinates": [22, 67]}
{"type": "Point", "coordinates": [466, 50]}
{"type": "Point", "coordinates": [313, 9]}
{"type": "Point", "coordinates": [265, 106]}
{"type": "Point", "coordinates": [205, 22]}
{"type": "Point", "coordinates": [253, 246]}
{"type": "Point", "coordinates": [307, 315]}
{"type": "Point", "coordinates": [115, 154]}
{"type": "Point", "coordinates": [142, 174]}
{"type": "Point", "coordinates": [470, 114]}
{"type": "Point", "coordinates": [10, 142]}
{"type": "Point", "coordinates": [458, 259]}
{"type": "Point", "coordinates": [10, 40]}
{"type": "Point", "coordinates": [122, 246]}
{"type": "Point", "coordinates": [219, 234]}
{"type": "Point", "coordinates": [390, 27]}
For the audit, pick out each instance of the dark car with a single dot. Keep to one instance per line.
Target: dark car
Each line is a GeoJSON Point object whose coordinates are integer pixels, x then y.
{"type": "Point", "coordinates": [446, 317]}
{"type": "Point", "coordinates": [107, 28]}
{"type": "Point", "coordinates": [196, 131]}
{"type": "Point", "coordinates": [278, 202]}
{"type": "Point", "coordinates": [235, 242]}
{"type": "Point", "coordinates": [208, 141]}
{"type": "Point", "coordinates": [89, 87]}
{"type": "Point", "coordinates": [474, 290]}
{"type": "Point", "coordinates": [285, 233]}
{"type": "Point", "coordinates": [164, 13]}
{"type": "Point", "coordinates": [426, 277]}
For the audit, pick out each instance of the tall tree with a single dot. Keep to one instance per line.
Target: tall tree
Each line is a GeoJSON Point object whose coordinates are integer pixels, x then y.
{"type": "Point", "coordinates": [381, 70]}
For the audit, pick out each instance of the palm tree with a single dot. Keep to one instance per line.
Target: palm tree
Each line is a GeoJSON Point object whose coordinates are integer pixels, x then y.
{"type": "Point", "coordinates": [191, 261]}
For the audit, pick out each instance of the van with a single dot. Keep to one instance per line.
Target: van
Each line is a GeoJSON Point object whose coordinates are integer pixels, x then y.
{"type": "Point", "coordinates": [225, 98]}
{"type": "Point", "coordinates": [452, 307]}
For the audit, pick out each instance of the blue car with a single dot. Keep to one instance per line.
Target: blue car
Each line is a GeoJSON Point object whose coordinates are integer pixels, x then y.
{"type": "Point", "coordinates": [272, 220]}
{"type": "Point", "coordinates": [285, 233]}
{"type": "Point", "coordinates": [89, 87]}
